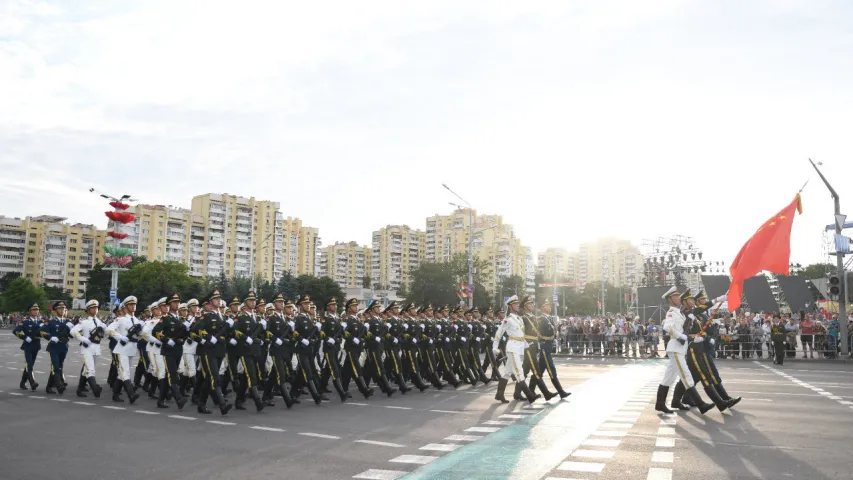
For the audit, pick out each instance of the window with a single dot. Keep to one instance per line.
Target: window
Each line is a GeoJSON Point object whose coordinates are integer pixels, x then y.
{"type": "Point", "coordinates": [70, 283]}
{"type": "Point", "coordinates": [32, 250]}
{"type": "Point", "coordinates": [73, 240]}
{"type": "Point", "coordinates": [72, 249]}
{"type": "Point", "coordinates": [146, 223]}
{"type": "Point", "coordinates": [32, 235]}
{"type": "Point", "coordinates": [72, 257]}
{"type": "Point", "coordinates": [32, 244]}
{"type": "Point", "coordinates": [31, 259]}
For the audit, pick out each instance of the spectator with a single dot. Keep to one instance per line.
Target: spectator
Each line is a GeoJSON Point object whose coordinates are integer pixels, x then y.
{"type": "Point", "coordinates": [791, 329]}
{"type": "Point", "coordinates": [832, 329]}
{"type": "Point", "coordinates": [807, 334]}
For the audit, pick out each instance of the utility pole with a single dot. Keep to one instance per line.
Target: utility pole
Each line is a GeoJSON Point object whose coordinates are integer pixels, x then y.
{"type": "Point", "coordinates": [842, 307]}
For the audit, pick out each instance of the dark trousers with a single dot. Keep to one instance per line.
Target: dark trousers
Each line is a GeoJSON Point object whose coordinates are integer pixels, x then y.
{"type": "Point", "coordinates": [57, 361]}
{"type": "Point", "coordinates": [172, 362]}
{"type": "Point", "coordinates": [332, 367]}
{"type": "Point", "coordinates": [279, 374]}
{"type": "Point", "coordinates": [779, 348]}
{"type": "Point", "coordinates": [250, 374]}
{"type": "Point", "coordinates": [141, 365]}
{"type": "Point", "coordinates": [210, 386]}
{"type": "Point", "coordinates": [375, 370]}
{"type": "Point", "coordinates": [307, 373]}
{"type": "Point", "coordinates": [546, 360]}
{"type": "Point", "coordinates": [30, 357]}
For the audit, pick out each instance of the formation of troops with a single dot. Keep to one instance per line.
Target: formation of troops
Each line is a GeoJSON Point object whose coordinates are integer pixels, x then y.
{"type": "Point", "coordinates": [195, 351]}
{"type": "Point", "coordinates": [691, 331]}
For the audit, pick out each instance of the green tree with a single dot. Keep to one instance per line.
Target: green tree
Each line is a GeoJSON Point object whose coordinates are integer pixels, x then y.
{"type": "Point", "coordinates": [319, 289]}
{"type": "Point", "coordinates": [509, 286]}
{"type": "Point", "coordinates": [818, 270]}
{"type": "Point", "coordinates": [150, 281]}
{"type": "Point", "coordinates": [433, 282]}
{"type": "Point", "coordinates": [288, 286]}
{"type": "Point", "coordinates": [98, 283]}
{"type": "Point", "coordinates": [55, 293]}
{"type": "Point", "coordinates": [7, 279]}
{"type": "Point", "coordinates": [20, 294]}
{"type": "Point", "coordinates": [365, 281]}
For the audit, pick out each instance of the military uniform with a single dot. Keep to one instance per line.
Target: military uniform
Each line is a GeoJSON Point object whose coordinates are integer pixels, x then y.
{"type": "Point", "coordinates": [475, 342]}
{"type": "Point", "coordinates": [331, 336]}
{"type": "Point", "coordinates": [58, 331]}
{"type": "Point", "coordinates": [707, 353]}
{"type": "Point", "coordinates": [376, 331]}
{"type": "Point", "coordinates": [410, 338]}
{"type": "Point", "coordinates": [547, 332]}
{"type": "Point", "coordinates": [126, 331]}
{"type": "Point", "coordinates": [90, 332]}
{"type": "Point", "coordinates": [211, 334]}
{"type": "Point", "coordinates": [171, 332]}
{"type": "Point", "coordinates": [354, 334]}
{"type": "Point", "coordinates": [531, 355]}
{"type": "Point", "coordinates": [516, 345]}
{"type": "Point", "coordinates": [29, 330]}
{"type": "Point", "coordinates": [394, 330]}
{"type": "Point", "coordinates": [242, 332]}
{"type": "Point", "coordinates": [461, 333]}
{"type": "Point", "coordinates": [491, 326]}
{"type": "Point", "coordinates": [279, 335]}
{"type": "Point", "coordinates": [444, 349]}
{"type": "Point", "coordinates": [305, 333]}
{"type": "Point", "coordinates": [427, 346]}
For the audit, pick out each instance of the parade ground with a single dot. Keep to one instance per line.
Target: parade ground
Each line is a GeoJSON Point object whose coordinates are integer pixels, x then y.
{"type": "Point", "coordinates": [795, 422]}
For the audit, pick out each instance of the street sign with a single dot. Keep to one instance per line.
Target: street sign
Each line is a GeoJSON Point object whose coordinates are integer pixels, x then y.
{"type": "Point", "coordinates": [839, 221]}
{"type": "Point", "coordinates": [556, 297]}
{"type": "Point", "coordinates": [113, 295]}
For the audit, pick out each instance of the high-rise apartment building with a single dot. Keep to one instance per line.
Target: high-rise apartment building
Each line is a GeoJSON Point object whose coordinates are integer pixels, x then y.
{"type": "Point", "coordinates": [396, 251]}
{"type": "Point", "coordinates": [558, 263]}
{"type": "Point", "coordinates": [611, 259]}
{"type": "Point", "coordinates": [49, 251]}
{"type": "Point", "coordinates": [345, 263]}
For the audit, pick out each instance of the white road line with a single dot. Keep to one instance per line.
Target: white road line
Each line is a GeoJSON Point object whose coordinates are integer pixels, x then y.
{"type": "Point", "coordinates": [513, 417]}
{"type": "Point", "coordinates": [319, 435]}
{"type": "Point", "coordinates": [606, 433]}
{"type": "Point", "coordinates": [358, 404]}
{"type": "Point", "coordinates": [581, 467]}
{"type": "Point", "coordinates": [601, 442]}
{"type": "Point", "coordinates": [113, 408]}
{"type": "Point", "coordinates": [482, 429]}
{"type": "Point", "coordinates": [463, 438]}
{"type": "Point", "coordinates": [662, 457]}
{"type": "Point", "coordinates": [666, 431]}
{"type": "Point", "coordinates": [616, 425]}
{"type": "Point", "coordinates": [146, 412]}
{"type": "Point", "coordinates": [60, 400]}
{"type": "Point", "coordinates": [40, 373]}
{"type": "Point", "coordinates": [267, 429]}
{"type": "Point", "coordinates": [85, 403]}
{"type": "Point", "coordinates": [660, 474]}
{"type": "Point", "coordinates": [36, 396]}
{"type": "Point", "coordinates": [381, 444]}
{"type": "Point", "coordinates": [181, 417]}
{"type": "Point", "coordinates": [217, 422]}
{"type": "Point", "coordinates": [414, 459]}
{"type": "Point", "coordinates": [398, 408]}
{"type": "Point", "coordinates": [374, 474]}
{"type": "Point", "coordinates": [447, 411]}
{"type": "Point", "coordinates": [665, 443]}
{"type": "Point", "coordinates": [440, 447]}
{"type": "Point", "coordinates": [498, 422]}
{"type": "Point", "coordinates": [597, 454]}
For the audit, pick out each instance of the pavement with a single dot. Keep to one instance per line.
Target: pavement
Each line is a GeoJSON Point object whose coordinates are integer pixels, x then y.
{"type": "Point", "coordinates": [791, 423]}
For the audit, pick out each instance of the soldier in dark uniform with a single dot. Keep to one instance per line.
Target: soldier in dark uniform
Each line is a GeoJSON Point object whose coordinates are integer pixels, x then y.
{"type": "Point", "coordinates": [171, 332]}
{"type": "Point", "coordinates": [478, 332]}
{"type": "Point", "coordinates": [777, 336]}
{"type": "Point", "coordinates": [331, 336]}
{"type": "Point", "coordinates": [231, 376]}
{"type": "Point", "coordinates": [427, 346]}
{"type": "Point", "coordinates": [354, 335]}
{"type": "Point", "coordinates": [461, 338]}
{"type": "Point", "coordinates": [58, 331]}
{"type": "Point", "coordinates": [260, 348]}
{"type": "Point", "coordinates": [144, 362]}
{"type": "Point", "coordinates": [531, 354]}
{"type": "Point", "coordinates": [211, 334]}
{"type": "Point", "coordinates": [411, 337]}
{"type": "Point", "coordinates": [393, 346]}
{"type": "Point", "coordinates": [29, 330]}
{"type": "Point", "coordinates": [376, 331]}
{"type": "Point", "coordinates": [547, 332]}
{"type": "Point", "coordinates": [444, 339]}
{"type": "Point", "coordinates": [279, 335]}
{"type": "Point", "coordinates": [305, 333]}
{"type": "Point", "coordinates": [711, 332]}
{"type": "Point", "coordinates": [490, 325]}
{"type": "Point", "coordinates": [242, 331]}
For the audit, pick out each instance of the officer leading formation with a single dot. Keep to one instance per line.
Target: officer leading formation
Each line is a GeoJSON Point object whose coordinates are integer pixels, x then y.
{"type": "Point", "coordinates": [194, 351]}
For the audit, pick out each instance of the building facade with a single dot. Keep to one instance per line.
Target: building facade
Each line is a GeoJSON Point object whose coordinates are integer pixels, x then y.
{"type": "Point", "coordinates": [614, 260]}
{"type": "Point", "coordinates": [558, 263]}
{"type": "Point", "coordinates": [396, 251]}
{"type": "Point", "coordinates": [346, 263]}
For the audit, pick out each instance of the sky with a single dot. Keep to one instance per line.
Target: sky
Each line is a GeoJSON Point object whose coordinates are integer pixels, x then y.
{"type": "Point", "coordinates": [572, 119]}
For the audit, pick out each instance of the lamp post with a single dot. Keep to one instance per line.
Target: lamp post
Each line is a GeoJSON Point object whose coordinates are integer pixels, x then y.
{"type": "Point", "coordinates": [114, 268]}
{"type": "Point", "coordinates": [470, 241]}
{"type": "Point", "coordinates": [842, 308]}
{"type": "Point", "coordinates": [252, 259]}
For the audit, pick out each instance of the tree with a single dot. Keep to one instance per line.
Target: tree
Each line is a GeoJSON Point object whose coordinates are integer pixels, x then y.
{"type": "Point", "coordinates": [818, 270]}
{"type": "Point", "coordinates": [433, 282]}
{"type": "Point", "coordinates": [151, 281]}
{"type": "Point", "coordinates": [7, 279]}
{"type": "Point", "coordinates": [20, 294]}
{"type": "Point", "coordinates": [319, 289]}
{"type": "Point", "coordinates": [56, 293]}
{"type": "Point", "coordinates": [288, 286]}
{"type": "Point", "coordinates": [509, 286]}
{"type": "Point", "coordinates": [365, 281]}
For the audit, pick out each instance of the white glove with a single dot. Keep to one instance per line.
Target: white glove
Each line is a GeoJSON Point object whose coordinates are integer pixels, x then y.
{"type": "Point", "coordinates": [331, 341]}
{"type": "Point", "coordinates": [278, 341]}
{"type": "Point", "coordinates": [170, 343]}
{"type": "Point", "coordinates": [496, 351]}
{"type": "Point", "coordinates": [292, 325]}
{"type": "Point", "coordinates": [156, 343]}
{"type": "Point", "coordinates": [28, 339]}
{"type": "Point", "coordinates": [477, 339]}
{"type": "Point", "coordinates": [304, 341]}
{"type": "Point", "coordinates": [415, 341]}
{"type": "Point", "coordinates": [387, 325]}
{"type": "Point", "coordinates": [691, 316]}
{"type": "Point", "coordinates": [262, 343]}
{"type": "Point", "coordinates": [213, 340]}
{"type": "Point", "coordinates": [378, 339]}
{"type": "Point", "coordinates": [318, 325]}
{"type": "Point", "coordinates": [344, 324]}
{"type": "Point", "coordinates": [356, 341]}
{"type": "Point", "coordinates": [85, 341]}
{"type": "Point", "coordinates": [422, 327]}
{"type": "Point", "coordinates": [430, 341]}
{"type": "Point", "coordinates": [438, 327]}
{"type": "Point", "coordinates": [698, 339]}
{"type": "Point", "coordinates": [230, 322]}
{"type": "Point", "coordinates": [463, 339]}
{"type": "Point", "coordinates": [368, 326]}
{"type": "Point", "coordinates": [123, 339]}
{"type": "Point", "coordinates": [396, 341]}
{"type": "Point", "coordinates": [249, 341]}
{"type": "Point", "coordinates": [683, 337]}
{"type": "Point", "coordinates": [203, 341]}
{"type": "Point", "coordinates": [188, 325]}
{"type": "Point", "coordinates": [721, 298]}
{"type": "Point", "coordinates": [455, 327]}
{"type": "Point", "coordinates": [405, 326]}
{"type": "Point", "coordinates": [713, 342]}
{"type": "Point", "coordinates": [54, 340]}
{"type": "Point", "coordinates": [263, 323]}
{"type": "Point", "coordinates": [233, 341]}
{"type": "Point", "coordinates": [447, 340]}
{"type": "Point", "coordinates": [69, 324]}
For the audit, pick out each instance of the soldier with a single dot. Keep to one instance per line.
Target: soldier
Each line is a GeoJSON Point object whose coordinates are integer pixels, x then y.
{"type": "Point", "coordinates": [461, 333]}
{"type": "Point", "coordinates": [305, 332]}
{"type": "Point", "coordinates": [490, 326]}
{"type": "Point", "coordinates": [279, 335]}
{"type": "Point", "coordinates": [259, 347]}
{"type": "Point", "coordinates": [171, 332]}
{"type": "Point", "coordinates": [354, 334]}
{"type": "Point", "coordinates": [444, 333]}
{"type": "Point", "coordinates": [29, 330]}
{"type": "Point", "coordinates": [190, 364]}
{"type": "Point", "coordinates": [112, 377]}
{"type": "Point", "coordinates": [331, 334]}
{"type": "Point", "coordinates": [211, 334]}
{"type": "Point", "coordinates": [58, 331]}
{"type": "Point", "coordinates": [144, 364]}
{"type": "Point", "coordinates": [157, 369]}
{"type": "Point", "coordinates": [243, 331]}
{"type": "Point", "coordinates": [677, 349]}
{"type": "Point", "coordinates": [376, 331]}
{"type": "Point", "coordinates": [226, 373]}
{"type": "Point", "coordinates": [89, 331]}
{"type": "Point", "coordinates": [426, 347]}
{"type": "Point", "coordinates": [393, 347]}
{"type": "Point", "coordinates": [126, 331]}
{"type": "Point", "coordinates": [411, 336]}
{"type": "Point", "coordinates": [531, 364]}
{"type": "Point", "coordinates": [707, 353]}
{"type": "Point", "coordinates": [547, 330]}
{"type": "Point", "coordinates": [516, 344]}
{"type": "Point", "coordinates": [478, 331]}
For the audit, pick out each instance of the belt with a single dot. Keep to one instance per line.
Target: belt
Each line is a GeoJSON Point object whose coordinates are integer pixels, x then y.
{"type": "Point", "coordinates": [531, 337]}
{"type": "Point", "coordinates": [517, 339]}
{"type": "Point", "coordinates": [546, 338]}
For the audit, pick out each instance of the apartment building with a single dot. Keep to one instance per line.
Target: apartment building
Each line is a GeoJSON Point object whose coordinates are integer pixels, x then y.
{"type": "Point", "coordinates": [346, 263]}
{"type": "Point", "coordinates": [612, 259]}
{"type": "Point", "coordinates": [396, 251]}
{"type": "Point", "coordinates": [558, 263]}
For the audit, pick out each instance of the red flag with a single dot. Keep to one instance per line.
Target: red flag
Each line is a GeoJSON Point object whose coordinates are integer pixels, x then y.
{"type": "Point", "coordinates": [768, 249]}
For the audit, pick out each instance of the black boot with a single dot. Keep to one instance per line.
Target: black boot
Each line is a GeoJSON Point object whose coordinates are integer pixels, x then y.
{"type": "Point", "coordinates": [96, 389]}
{"type": "Point", "coordinates": [340, 389]}
{"type": "Point", "coordinates": [531, 397]}
{"type": "Point", "coordinates": [677, 394]}
{"type": "Point", "coordinates": [137, 377]}
{"type": "Point", "coordinates": [259, 402]}
{"type": "Point", "coordinates": [153, 387]}
{"type": "Point", "coordinates": [33, 384]}
{"type": "Point", "coordinates": [180, 400]}
{"type": "Point", "coordinates": [147, 384]}
{"type": "Point", "coordinates": [516, 394]}
{"type": "Point", "coordinates": [419, 382]}
{"type": "Point", "coordinates": [363, 388]}
{"type": "Point", "coordinates": [163, 385]}
{"type": "Point", "coordinates": [61, 385]}
{"type": "Point", "coordinates": [499, 395]}
{"type": "Point", "coordinates": [545, 392]}
{"type": "Point", "coordinates": [723, 393]}
{"type": "Point", "coordinates": [50, 383]}
{"type": "Point", "coordinates": [715, 397]}
{"type": "Point", "coordinates": [224, 406]}
{"type": "Point", "coordinates": [117, 387]}
{"type": "Point", "coordinates": [24, 379]}
{"type": "Point", "coordinates": [660, 403]}
{"type": "Point", "coordinates": [312, 388]}
{"type": "Point", "coordinates": [80, 390]}
{"type": "Point", "coordinates": [132, 396]}
{"type": "Point", "coordinates": [697, 399]}
{"type": "Point", "coordinates": [557, 386]}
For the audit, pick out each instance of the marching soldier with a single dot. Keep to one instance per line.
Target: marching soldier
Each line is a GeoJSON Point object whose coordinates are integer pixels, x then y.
{"type": "Point", "coordinates": [331, 334]}
{"type": "Point", "coordinates": [171, 332]}
{"type": "Point", "coordinates": [376, 331]}
{"type": "Point", "coordinates": [490, 324]}
{"type": "Point", "coordinates": [701, 311]}
{"type": "Point", "coordinates": [226, 373]}
{"type": "Point", "coordinates": [58, 331]}
{"type": "Point", "coordinates": [444, 347]}
{"type": "Point", "coordinates": [89, 331]}
{"type": "Point", "coordinates": [144, 364]}
{"type": "Point", "coordinates": [243, 331]}
{"type": "Point", "coordinates": [279, 335]}
{"type": "Point", "coordinates": [478, 331]}
{"type": "Point", "coordinates": [126, 331]}
{"type": "Point", "coordinates": [155, 360]}
{"type": "Point", "coordinates": [411, 335]}
{"type": "Point", "coordinates": [112, 376]}
{"type": "Point", "coordinates": [547, 330]}
{"type": "Point", "coordinates": [426, 350]}
{"type": "Point", "coordinates": [393, 347]}
{"type": "Point", "coordinates": [532, 335]}
{"type": "Point", "coordinates": [211, 334]}
{"type": "Point", "coordinates": [516, 344]}
{"type": "Point", "coordinates": [29, 330]}
{"type": "Point", "coordinates": [305, 332]}
{"type": "Point", "coordinates": [461, 333]}
{"type": "Point", "coordinates": [676, 349]}
{"type": "Point", "coordinates": [189, 362]}
{"type": "Point", "coordinates": [354, 334]}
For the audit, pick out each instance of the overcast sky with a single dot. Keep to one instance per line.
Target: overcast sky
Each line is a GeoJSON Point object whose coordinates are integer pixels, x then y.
{"type": "Point", "coordinates": [572, 119]}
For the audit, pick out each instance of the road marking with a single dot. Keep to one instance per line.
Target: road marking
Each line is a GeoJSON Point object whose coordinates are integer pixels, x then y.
{"type": "Point", "coordinates": [398, 408]}
{"type": "Point", "coordinates": [665, 443]}
{"type": "Point", "coordinates": [267, 429]}
{"type": "Point", "coordinates": [581, 467]}
{"type": "Point", "coordinates": [513, 417]}
{"type": "Point", "coordinates": [181, 417]}
{"type": "Point", "coordinates": [482, 430]}
{"type": "Point", "coordinates": [662, 457]}
{"type": "Point", "coordinates": [217, 422]}
{"type": "Point", "coordinates": [660, 474]}
{"type": "Point", "coordinates": [617, 425]}
{"type": "Point", "coordinates": [113, 408]}
{"type": "Point", "coordinates": [463, 438]}
{"type": "Point", "coordinates": [440, 447]}
{"type": "Point", "coordinates": [381, 444]}
{"type": "Point", "coordinates": [447, 411]}
{"type": "Point", "coordinates": [146, 412]}
{"type": "Point", "coordinates": [36, 396]}
{"type": "Point", "coordinates": [60, 400]}
{"type": "Point", "coordinates": [40, 373]}
{"type": "Point", "coordinates": [601, 442]}
{"type": "Point", "coordinates": [597, 454]}
{"type": "Point", "coordinates": [374, 474]}
{"type": "Point", "coordinates": [85, 403]}
{"type": "Point", "coordinates": [358, 404]}
{"type": "Point", "coordinates": [666, 431]}
{"type": "Point", "coordinates": [415, 459]}
{"type": "Point", "coordinates": [668, 421]}
{"type": "Point", "coordinates": [319, 435]}
{"type": "Point", "coordinates": [606, 433]}
{"type": "Point", "coordinates": [498, 422]}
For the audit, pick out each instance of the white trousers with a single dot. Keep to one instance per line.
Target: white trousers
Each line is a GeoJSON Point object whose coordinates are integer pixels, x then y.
{"type": "Point", "coordinates": [88, 363]}
{"type": "Point", "coordinates": [158, 365]}
{"type": "Point", "coordinates": [187, 366]}
{"type": "Point", "coordinates": [676, 370]}
{"type": "Point", "coordinates": [124, 363]}
{"type": "Point", "coordinates": [514, 366]}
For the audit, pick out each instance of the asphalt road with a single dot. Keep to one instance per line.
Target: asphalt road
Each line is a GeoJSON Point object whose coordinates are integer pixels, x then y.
{"type": "Point", "coordinates": [791, 424]}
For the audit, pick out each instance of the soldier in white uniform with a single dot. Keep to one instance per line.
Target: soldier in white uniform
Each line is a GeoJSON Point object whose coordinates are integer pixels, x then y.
{"type": "Point", "coordinates": [676, 369]}
{"type": "Point", "coordinates": [125, 330]}
{"type": "Point", "coordinates": [187, 367]}
{"type": "Point", "coordinates": [90, 331]}
{"type": "Point", "coordinates": [513, 326]}
{"type": "Point", "coordinates": [158, 365]}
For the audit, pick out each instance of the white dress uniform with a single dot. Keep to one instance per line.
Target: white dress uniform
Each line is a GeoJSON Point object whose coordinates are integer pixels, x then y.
{"type": "Point", "coordinates": [513, 326]}
{"type": "Point", "coordinates": [188, 358]}
{"type": "Point", "coordinates": [88, 350]}
{"type": "Point", "coordinates": [677, 367]}
{"type": "Point", "coordinates": [127, 352]}
{"type": "Point", "coordinates": [158, 364]}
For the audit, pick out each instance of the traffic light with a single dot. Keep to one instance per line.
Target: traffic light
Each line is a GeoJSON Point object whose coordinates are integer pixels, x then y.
{"type": "Point", "coordinates": [834, 285]}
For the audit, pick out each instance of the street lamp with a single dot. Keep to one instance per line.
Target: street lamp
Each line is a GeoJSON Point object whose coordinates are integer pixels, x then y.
{"type": "Point", "coordinates": [252, 259]}
{"type": "Point", "coordinates": [470, 241]}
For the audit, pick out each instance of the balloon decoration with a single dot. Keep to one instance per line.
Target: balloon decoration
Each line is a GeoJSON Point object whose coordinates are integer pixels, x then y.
{"type": "Point", "coordinates": [114, 254]}
{"type": "Point", "coordinates": [119, 206]}
{"type": "Point", "coordinates": [120, 217]}
{"type": "Point", "coordinates": [117, 255]}
{"type": "Point", "coordinates": [117, 235]}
